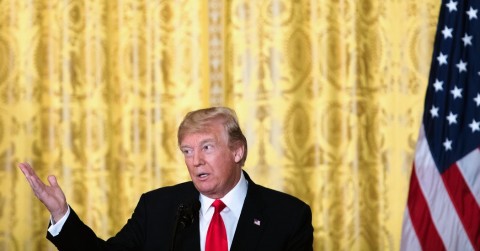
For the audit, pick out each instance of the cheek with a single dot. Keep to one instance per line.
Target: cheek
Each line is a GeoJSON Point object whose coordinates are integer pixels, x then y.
{"type": "Point", "coordinates": [188, 163]}
{"type": "Point", "coordinates": [227, 165]}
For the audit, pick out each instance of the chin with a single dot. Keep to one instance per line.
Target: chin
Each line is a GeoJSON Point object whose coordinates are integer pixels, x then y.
{"type": "Point", "coordinates": [203, 189]}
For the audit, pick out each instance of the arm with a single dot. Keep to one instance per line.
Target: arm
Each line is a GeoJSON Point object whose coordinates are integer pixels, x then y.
{"type": "Point", "coordinates": [77, 236]}
{"type": "Point", "coordinates": [302, 237]}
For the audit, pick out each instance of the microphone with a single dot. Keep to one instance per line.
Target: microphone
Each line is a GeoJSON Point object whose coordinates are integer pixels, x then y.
{"type": "Point", "coordinates": [186, 214]}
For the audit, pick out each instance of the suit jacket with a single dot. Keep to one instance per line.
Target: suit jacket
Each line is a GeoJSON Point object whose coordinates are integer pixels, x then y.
{"type": "Point", "coordinates": [270, 220]}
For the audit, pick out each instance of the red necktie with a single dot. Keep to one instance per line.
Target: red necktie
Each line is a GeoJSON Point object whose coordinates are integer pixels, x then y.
{"type": "Point", "coordinates": [217, 234]}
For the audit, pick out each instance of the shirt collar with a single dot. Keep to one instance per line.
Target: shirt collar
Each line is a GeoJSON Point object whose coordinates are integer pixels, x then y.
{"type": "Point", "coordinates": [233, 199]}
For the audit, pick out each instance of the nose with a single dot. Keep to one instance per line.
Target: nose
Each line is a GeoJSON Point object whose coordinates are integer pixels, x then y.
{"type": "Point", "coordinates": [198, 159]}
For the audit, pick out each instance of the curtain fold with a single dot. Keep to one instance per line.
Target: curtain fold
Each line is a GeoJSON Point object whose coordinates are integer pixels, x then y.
{"type": "Point", "coordinates": [329, 95]}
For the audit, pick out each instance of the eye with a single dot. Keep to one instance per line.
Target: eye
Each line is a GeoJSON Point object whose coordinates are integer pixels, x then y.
{"type": "Point", "coordinates": [207, 147]}
{"type": "Point", "coordinates": [186, 151]}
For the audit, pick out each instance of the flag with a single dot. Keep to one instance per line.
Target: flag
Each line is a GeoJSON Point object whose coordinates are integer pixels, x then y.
{"type": "Point", "coordinates": [443, 211]}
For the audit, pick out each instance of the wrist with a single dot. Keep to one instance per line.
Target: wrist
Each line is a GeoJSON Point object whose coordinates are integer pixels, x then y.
{"type": "Point", "coordinates": [57, 216]}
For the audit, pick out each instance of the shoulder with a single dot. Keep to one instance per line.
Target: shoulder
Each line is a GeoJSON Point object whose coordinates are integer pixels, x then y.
{"type": "Point", "coordinates": [285, 214]}
{"type": "Point", "coordinates": [174, 191]}
{"type": "Point", "coordinates": [267, 196]}
{"type": "Point", "coordinates": [274, 197]}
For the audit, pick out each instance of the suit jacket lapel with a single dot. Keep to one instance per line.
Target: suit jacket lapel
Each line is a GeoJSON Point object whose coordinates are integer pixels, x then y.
{"type": "Point", "coordinates": [251, 222]}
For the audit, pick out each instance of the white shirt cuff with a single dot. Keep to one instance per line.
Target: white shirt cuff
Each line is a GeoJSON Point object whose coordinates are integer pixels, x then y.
{"type": "Point", "coordinates": [56, 227]}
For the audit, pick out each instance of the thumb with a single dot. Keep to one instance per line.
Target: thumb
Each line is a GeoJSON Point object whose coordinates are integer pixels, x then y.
{"type": "Point", "coordinates": [52, 180]}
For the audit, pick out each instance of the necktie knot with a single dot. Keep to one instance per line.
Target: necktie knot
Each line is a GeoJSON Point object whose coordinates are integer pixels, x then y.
{"type": "Point", "coordinates": [218, 205]}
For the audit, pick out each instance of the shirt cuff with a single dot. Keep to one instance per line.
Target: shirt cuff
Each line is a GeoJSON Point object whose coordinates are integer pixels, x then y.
{"type": "Point", "coordinates": [55, 228]}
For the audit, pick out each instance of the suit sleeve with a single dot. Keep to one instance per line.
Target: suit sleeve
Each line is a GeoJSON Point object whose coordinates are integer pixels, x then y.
{"type": "Point", "coordinates": [77, 236]}
{"type": "Point", "coordinates": [302, 235]}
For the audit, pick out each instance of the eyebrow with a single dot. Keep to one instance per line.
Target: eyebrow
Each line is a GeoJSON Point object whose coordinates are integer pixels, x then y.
{"type": "Point", "coordinates": [208, 140]}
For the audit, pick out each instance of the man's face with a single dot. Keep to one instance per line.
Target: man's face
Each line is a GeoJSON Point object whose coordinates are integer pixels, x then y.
{"type": "Point", "coordinates": [211, 163]}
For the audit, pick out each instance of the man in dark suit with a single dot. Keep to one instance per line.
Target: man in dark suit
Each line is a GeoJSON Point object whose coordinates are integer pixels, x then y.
{"type": "Point", "coordinates": [182, 217]}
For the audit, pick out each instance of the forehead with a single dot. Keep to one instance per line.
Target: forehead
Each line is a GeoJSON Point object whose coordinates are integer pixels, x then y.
{"type": "Point", "coordinates": [214, 133]}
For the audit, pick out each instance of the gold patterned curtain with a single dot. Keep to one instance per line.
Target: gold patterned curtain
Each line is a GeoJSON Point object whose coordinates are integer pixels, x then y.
{"type": "Point", "coordinates": [329, 94]}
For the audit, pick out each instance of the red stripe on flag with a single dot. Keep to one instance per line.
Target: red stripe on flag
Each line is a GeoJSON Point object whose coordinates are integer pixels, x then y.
{"type": "Point", "coordinates": [464, 202]}
{"type": "Point", "coordinates": [420, 216]}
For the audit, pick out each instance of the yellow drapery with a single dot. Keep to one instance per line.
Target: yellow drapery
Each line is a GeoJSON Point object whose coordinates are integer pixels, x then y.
{"type": "Point", "coordinates": [329, 94]}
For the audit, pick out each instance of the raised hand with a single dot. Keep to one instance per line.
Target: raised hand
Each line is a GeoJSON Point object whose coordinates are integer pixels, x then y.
{"type": "Point", "coordinates": [51, 196]}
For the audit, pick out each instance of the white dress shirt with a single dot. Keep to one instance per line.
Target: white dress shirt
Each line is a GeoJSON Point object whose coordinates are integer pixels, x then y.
{"type": "Point", "coordinates": [230, 214]}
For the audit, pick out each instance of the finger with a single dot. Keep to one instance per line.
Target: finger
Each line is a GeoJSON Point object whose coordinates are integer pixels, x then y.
{"type": "Point", "coordinates": [30, 182]}
{"type": "Point", "coordinates": [36, 184]}
{"type": "Point", "coordinates": [26, 169]}
{"type": "Point", "coordinates": [32, 177]}
{"type": "Point", "coordinates": [28, 172]}
{"type": "Point", "coordinates": [52, 180]}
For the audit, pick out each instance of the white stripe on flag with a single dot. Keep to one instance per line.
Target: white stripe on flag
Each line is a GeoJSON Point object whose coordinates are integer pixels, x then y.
{"type": "Point", "coordinates": [469, 167]}
{"type": "Point", "coordinates": [443, 213]}
{"type": "Point", "coordinates": [409, 237]}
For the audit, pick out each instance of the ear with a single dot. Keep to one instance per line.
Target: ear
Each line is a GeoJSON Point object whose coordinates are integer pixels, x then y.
{"type": "Point", "coordinates": [238, 152]}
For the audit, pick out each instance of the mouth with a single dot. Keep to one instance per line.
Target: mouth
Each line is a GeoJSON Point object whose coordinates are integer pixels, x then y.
{"type": "Point", "coordinates": [202, 175]}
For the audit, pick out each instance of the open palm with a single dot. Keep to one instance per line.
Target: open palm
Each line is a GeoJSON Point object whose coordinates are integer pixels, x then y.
{"type": "Point", "coordinates": [51, 196]}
